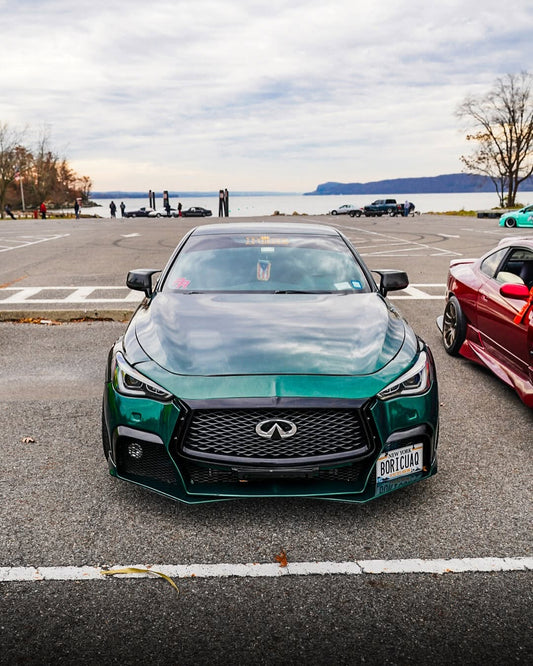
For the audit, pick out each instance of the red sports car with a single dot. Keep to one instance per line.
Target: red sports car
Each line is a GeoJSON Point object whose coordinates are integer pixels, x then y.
{"type": "Point", "coordinates": [488, 316]}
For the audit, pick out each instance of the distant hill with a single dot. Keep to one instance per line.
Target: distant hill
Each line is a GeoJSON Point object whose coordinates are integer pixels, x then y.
{"type": "Point", "coordinates": [453, 182]}
{"type": "Point", "coordinates": [121, 194]}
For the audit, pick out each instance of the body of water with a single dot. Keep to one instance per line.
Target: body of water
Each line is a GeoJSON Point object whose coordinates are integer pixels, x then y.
{"type": "Point", "coordinates": [288, 204]}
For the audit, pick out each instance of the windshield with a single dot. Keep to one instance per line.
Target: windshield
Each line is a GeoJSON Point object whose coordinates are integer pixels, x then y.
{"type": "Point", "coordinates": [266, 263]}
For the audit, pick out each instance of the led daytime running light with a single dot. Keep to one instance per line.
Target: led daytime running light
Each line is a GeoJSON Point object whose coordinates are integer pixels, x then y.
{"type": "Point", "coordinates": [414, 382]}
{"type": "Point", "coordinates": [130, 382]}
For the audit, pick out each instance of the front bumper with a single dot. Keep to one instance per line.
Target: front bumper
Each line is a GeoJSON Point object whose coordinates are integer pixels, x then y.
{"type": "Point", "coordinates": [148, 445]}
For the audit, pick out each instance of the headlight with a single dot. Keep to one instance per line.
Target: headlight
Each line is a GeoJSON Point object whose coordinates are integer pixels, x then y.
{"type": "Point", "coordinates": [129, 381]}
{"type": "Point", "coordinates": [415, 381]}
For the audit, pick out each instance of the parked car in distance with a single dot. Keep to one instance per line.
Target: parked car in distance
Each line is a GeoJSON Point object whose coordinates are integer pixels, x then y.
{"type": "Point", "coordinates": [265, 361]}
{"type": "Point", "coordinates": [488, 317]}
{"type": "Point", "coordinates": [140, 212]}
{"type": "Point", "coordinates": [196, 211]}
{"type": "Point", "coordinates": [172, 212]}
{"type": "Point", "coordinates": [518, 218]}
{"type": "Point", "coordinates": [386, 207]}
{"type": "Point", "coordinates": [347, 209]}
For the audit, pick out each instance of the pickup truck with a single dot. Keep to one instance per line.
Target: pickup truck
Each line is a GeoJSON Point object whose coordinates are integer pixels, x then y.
{"type": "Point", "coordinates": [386, 207]}
{"type": "Point", "coordinates": [381, 207]}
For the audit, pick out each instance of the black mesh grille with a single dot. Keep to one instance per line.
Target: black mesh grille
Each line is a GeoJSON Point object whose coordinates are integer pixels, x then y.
{"type": "Point", "coordinates": [209, 475]}
{"type": "Point", "coordinates": [230, 434]}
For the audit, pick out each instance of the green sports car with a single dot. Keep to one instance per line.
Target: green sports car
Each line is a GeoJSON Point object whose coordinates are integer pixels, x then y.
{"type": "Point", "coordinates": [264, 361]}
{"type": "Point", "coordinates": [518, 218]}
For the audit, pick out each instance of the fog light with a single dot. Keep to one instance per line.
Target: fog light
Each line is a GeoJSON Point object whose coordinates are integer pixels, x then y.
{"type": "Point", "coordinates": [135, 450]}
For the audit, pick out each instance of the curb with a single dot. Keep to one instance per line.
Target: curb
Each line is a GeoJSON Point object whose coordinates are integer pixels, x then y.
{"type": "Point", "coordinates": [121, 315]}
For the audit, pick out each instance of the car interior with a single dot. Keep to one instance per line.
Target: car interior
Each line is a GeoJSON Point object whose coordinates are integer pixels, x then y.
{"type": "Point", "coordinates": [517, 269]}
{"type": "Point", "coordinates": [278, 269]}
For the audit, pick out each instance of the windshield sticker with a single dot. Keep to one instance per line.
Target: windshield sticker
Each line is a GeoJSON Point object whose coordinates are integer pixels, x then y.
{"type": "Point", "coordinates": [341, 286]}
{"type": "Point", "coordinates": [181, 283]}
{"type": "Point", "coordinates": [265, 240]}
{"type": "Point", "coordinates": [268, 249]}
{"type": "Point", "coordinates": [356, 284]}
{"type": "Point", "coordinates": [263, 270]}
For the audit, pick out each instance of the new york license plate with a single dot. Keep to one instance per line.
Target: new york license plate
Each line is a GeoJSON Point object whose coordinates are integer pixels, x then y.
{"type": "Point", "coordinates": [400, 462]}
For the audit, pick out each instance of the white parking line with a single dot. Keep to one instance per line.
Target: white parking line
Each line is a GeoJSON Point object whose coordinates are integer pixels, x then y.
{"type": "Point", "coordinates": [24, 243]}
{"type": "Point", "coordinates": [30, 295]}
{"type": "Point", "coordinates": [271, 570]}
{"type": "Point", "coordinates": [396, 247]}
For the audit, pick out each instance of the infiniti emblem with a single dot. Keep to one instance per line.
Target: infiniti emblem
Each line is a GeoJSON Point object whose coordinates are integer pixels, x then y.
{"type": "Point", "coordinates": [276, 429]}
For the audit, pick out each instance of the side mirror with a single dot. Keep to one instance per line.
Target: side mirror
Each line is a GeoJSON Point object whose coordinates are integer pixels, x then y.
{"type": "Point", "coordinates": [511, 290]}
{"type": "Point", "coordinates": [141, 280]}
{"type": "Point", "coordinates": [391, 280]}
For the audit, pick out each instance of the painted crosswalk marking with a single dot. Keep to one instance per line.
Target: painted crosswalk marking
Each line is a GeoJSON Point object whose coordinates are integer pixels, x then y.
{"type": "Point", "coordinates": [116, 294]}
{"type": "Point", "coordinates": [58, 295]}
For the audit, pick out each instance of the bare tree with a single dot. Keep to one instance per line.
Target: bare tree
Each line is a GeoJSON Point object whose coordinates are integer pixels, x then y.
{"type": "Point", "coordinates": [44, 169]}
{"type": "Point", "coordinates": [11, 154]}
{"type": "Point", "coordinates": [501, 123]}
{"type": "Point", "coordinates": [85, 185]}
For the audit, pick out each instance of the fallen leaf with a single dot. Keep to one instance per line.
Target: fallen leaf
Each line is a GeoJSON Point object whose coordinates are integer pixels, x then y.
{"type": "Point", "coordinates": [282, 559]}
{"type": "Point", "coordinates": [138, 570]}
{"type": "Point", "coordinates": [28, 440]}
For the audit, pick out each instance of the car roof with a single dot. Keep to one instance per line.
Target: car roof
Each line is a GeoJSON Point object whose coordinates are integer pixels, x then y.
{"type": "Point", "coordinates": [516, 240]}
{"type": "Point", "coordinates": [265, 228]}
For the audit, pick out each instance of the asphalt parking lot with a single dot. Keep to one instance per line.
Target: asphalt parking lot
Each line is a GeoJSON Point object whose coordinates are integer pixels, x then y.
{"type": "Point", "coordinates": [62, 511]}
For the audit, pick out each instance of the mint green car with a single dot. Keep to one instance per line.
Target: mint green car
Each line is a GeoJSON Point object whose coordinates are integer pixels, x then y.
{"type": "Point", "coordinates": [266, 362]}
{"type": "Point", "coordinates": [518, 218]}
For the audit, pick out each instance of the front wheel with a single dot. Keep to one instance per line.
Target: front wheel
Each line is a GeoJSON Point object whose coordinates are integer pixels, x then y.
{"type": "Point", "coordinates": [510, 222]}
{"type": "Point", "coordinates": [334, 212]}
{"type": "Point", "coordinates": [453, 327]}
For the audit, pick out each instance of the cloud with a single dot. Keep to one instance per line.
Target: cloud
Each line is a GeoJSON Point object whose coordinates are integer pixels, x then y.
{"type": "Point", "coordinates": [281, 95]}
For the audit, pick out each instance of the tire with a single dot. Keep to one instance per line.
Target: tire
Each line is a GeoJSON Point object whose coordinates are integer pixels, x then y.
{"type": "Point", "coordinates": [453, 327]}
{"type": "Point", "coordinates": [392, 213]}
{"type": "Point", "coordinates": [357, 213]}
{"type": "Point", "coordinates": [334, 212]}
{"type": "Point", "coordinates": [351, 213]}
{"type": "Point", "coordinates": [510, 222]}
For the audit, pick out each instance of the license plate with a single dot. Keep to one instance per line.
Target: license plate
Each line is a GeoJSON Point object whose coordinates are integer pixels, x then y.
{"type": "Point", "coordinates": [400, 462]}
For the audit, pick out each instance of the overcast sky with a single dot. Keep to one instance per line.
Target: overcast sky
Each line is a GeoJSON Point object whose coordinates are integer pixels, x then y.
{"type": "Point", "coordinates": [277, 95]}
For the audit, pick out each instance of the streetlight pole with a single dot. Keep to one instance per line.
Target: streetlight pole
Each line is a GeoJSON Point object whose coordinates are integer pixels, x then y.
{"type": "Point", "coordinates": [18, 176]}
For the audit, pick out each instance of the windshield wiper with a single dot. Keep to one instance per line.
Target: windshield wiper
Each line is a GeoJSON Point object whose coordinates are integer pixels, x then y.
{"type": "Point", "coordinates": [302, 291]}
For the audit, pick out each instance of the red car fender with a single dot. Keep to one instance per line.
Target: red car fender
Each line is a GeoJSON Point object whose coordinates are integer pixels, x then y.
{"type": "Point", "coordinates": [464, 284]}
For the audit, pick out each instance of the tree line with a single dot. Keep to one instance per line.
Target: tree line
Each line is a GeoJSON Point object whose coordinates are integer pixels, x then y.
{"type": "Point", "coordinates": [32, 175]}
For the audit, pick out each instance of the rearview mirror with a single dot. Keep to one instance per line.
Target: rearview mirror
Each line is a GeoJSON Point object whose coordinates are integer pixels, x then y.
{"type": "Point", "coordinates": [141, 280]}
{"type": "Point", "coordinates": [391, 280]}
